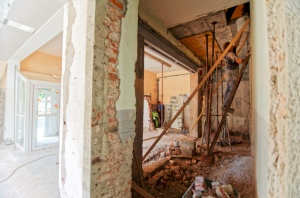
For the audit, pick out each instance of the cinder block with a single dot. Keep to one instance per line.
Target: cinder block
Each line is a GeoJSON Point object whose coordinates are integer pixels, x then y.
{"type": "Point", "coordinates": [189, 144]}
{"type": "Point", "coordinates": [187, 151]}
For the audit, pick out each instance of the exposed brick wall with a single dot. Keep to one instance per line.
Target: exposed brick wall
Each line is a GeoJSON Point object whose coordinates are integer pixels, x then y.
{"type": "Point", "coordinates": [92, 153]}
{"type": "Point", "coordinates": [112, 176]}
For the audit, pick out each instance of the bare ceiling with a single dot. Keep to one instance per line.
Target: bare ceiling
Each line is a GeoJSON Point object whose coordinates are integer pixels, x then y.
{"type": "Point", "coordinates": [175, 12]}
{"type": "Point", "coordinates": [33, 13]}
{"type": "Point", "coordinates": [155, 67]}
{"type": "Point", "coordinates": [54, 46]}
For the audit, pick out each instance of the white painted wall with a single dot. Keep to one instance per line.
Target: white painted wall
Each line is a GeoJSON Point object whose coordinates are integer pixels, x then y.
{"type": "Point", "coordinates": [9, 100]}
{"type": "Point", "coordinates": [260, 94]}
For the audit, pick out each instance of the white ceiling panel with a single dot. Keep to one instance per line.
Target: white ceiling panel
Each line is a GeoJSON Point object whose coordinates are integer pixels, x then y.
{"type": "Point", "coordinates": [54, 46]}
{"type": "Point", "coordinates": [32, 13]}
{"type": "Point", "coordinates": [175, 12]}
{"type": "Point", "coordinates": [11, 39]}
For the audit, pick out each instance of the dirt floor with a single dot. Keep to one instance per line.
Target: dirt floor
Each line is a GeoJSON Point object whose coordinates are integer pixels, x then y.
{"type": "Point", "coordinates": [170, 176]}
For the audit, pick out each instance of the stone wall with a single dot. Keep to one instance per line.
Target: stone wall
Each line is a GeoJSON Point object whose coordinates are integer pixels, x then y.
{"type": "Point", "coordinates": [95, 155]}
{"type": "Point", "coordinates": [2, 110]}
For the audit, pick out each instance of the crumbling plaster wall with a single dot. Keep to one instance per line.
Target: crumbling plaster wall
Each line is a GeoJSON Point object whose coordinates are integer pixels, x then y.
{"type": "Point", "coordinates": [158, 25]}
{"type": "Point", "coordinates": [100, 49]}
{"type": "Point", "coordinates": [283, 22]}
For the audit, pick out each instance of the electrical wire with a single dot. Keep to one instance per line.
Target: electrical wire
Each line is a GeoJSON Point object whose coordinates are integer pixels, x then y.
{"type": "Point", "coordinates": [25, 165]}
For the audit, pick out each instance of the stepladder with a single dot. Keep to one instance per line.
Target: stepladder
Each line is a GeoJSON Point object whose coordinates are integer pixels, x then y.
{"type": "Point", "coordinates": [168, 116]}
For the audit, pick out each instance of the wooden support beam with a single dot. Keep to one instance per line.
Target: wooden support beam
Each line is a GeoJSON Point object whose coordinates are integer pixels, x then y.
{"type": "Point", "coordinates": [198, 87]}
{"type": "Point", "coordinates": [139, 97]}
{"type": "Point", "coordinates": [157, 59]}
{"type": "Point", "coordinates": [141, 191]}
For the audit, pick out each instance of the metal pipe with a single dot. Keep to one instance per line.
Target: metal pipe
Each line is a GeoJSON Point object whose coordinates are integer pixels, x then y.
{"type": "Point", "coordinates": [162, 96]}
{"type": "Point", "coordinates": [206, 94]}
{"type": "Point", "coordinates": [217, 95]}
{"type": "Point", "coordinates": [210, 87]}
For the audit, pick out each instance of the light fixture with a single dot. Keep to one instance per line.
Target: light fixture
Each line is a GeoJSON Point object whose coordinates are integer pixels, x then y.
{"type": "Point", "coordinates": [18, 26]}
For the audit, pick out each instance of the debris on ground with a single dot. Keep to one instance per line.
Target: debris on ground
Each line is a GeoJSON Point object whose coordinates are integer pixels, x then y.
{"type": "Point", "coordinates": [172, 175]}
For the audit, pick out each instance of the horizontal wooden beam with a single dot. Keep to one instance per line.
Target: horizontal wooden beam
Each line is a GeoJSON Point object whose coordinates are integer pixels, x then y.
{"type": "Point", "coordinates": [163, 46]}
{"type": "Point", "coordinates": [157, 59]}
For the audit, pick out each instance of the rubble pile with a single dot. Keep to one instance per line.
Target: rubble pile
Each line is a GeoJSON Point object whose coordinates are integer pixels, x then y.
{"type": "Point", "coordinates": [177, 175]}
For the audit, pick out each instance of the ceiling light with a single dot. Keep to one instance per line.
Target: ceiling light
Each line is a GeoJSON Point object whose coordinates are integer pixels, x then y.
{"type": "Point", "coordinates": [18, 26]}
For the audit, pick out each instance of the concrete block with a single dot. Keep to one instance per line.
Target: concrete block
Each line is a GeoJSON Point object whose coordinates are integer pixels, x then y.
{"type": "Point", "coordinates": [186, 151]}
{"type": "Point", "coordinates": [188, 143]}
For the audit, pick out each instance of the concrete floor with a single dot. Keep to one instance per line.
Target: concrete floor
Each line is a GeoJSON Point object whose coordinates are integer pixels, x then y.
{"type": "Point", "coordinates": [35, 180]}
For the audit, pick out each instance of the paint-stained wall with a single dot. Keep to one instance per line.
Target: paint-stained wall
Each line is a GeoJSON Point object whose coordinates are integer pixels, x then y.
{"type": "Point", "coordinates": [42, 63]}
{"type": "Point", "coordinates": [150, 86]}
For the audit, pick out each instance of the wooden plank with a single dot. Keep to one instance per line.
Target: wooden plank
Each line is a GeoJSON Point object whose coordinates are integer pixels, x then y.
{"type": "Point", "coordinates": [141, 191]}
{"type": "Point", "coordinates": [199, 86]}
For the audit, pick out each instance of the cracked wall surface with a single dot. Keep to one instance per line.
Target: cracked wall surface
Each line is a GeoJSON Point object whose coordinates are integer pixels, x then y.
{"type": "Point", "coordinates": [100, 45]}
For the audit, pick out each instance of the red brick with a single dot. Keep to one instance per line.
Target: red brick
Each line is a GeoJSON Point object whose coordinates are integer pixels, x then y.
{"type": "Point", "coordinates": [115, 36]}
{"type": "Point", "coordinates": [112, 60]}
{"type": "Point", "coordinates": [111, 112]}
{"type": "Point", "coordinates": [112, 121]}
{"type": "Point", "coordinates": [111, 103]}
{"type": "Point", "coordinates": [113, 77]}
{"type": "Point", "coordinates": [114, 11]}
{"type": "Point", "coordinates": [111, 69]}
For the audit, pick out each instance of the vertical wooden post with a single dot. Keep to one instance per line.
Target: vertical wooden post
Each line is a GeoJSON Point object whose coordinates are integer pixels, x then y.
{"type": "Point", "coordinates": [207, 92]}
{"type": "Point", "coordinates": [139, 94]}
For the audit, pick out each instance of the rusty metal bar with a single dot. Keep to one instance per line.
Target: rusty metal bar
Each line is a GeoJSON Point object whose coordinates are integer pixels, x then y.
{"type": "Point", "coordinates": [207, 90]}
{"type": "Point", "coordinates": [197, 88]}
{"type": "Point", "coordinates": [162, 96]}
{"type": "Point", "coordinates": [217, 96]}
{"type": "Point", "coordinates": [208, 123]}
{"type": "Point", "coordinates": [229, 104]}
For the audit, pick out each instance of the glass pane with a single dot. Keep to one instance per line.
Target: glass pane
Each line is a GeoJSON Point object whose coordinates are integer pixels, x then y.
{"type": "Point", "coordinates": [20, 130]}
{"type": "Point", "coordinates": [21, 96]}
{"type": "Point", "coordinates": [47, 130]}
{"type": "Point", "coordinates": [47, 101]}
